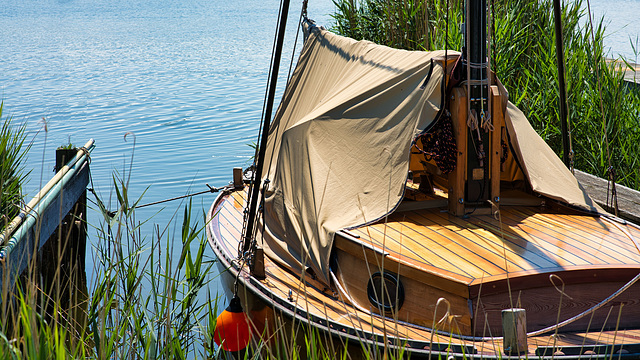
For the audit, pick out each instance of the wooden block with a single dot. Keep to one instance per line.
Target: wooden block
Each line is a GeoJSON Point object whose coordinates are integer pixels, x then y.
{"type": "Point", "coordinates": [237, 178]}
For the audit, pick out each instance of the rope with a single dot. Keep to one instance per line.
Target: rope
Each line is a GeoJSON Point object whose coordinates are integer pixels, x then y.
{"type": "Point", "coordinates": [472, 119]}
{"type": "Point", "coordinates": [256, 178]}
{"type": "Point", "coordinates": [613, 194]}
{"type": "Point", "coordinates": [211, 190]}
{"type": "Point", "coordinates": [439, 144]}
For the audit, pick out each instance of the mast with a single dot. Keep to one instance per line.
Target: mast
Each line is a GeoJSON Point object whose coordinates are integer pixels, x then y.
{"type": "Point", "coordinates": [478, 123]}
{"type": "Point", "coordinates": [479, 115]}
{"type": "Point", "coordinates": [262, 145]}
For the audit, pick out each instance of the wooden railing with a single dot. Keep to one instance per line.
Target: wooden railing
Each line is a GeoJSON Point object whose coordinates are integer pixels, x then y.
{"type": "Point", "coordinates": [598, 188]}
{"type": "Point", "coordinates": [51, 228]}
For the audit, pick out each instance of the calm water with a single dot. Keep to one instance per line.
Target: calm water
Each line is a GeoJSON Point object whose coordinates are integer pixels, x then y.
{"type": "Point", "coordinates": [622, 21]}
{"type": "Point", "coordinates": [187, 77]}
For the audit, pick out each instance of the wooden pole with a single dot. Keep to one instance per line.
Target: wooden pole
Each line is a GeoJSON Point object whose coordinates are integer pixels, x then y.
{"type": "Point", "coordinates": [562, 87]}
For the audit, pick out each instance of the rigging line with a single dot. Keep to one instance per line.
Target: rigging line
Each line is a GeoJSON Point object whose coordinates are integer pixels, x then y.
{"type": "Point", "coordinates": [211, 190]}
{"type": "Point", "coordinates": [446, 53]}
{"type": "Point", "coordinates": [251, 219]}
{"type": "Point", "coordinates": [266, 96]}
{"type": "Point", "coordinates": [487, 123]}
{"type": "Point", "coordinates": [257, 178]}
{"type": "Point", "coordinates": [295, 42]}
{"type": "Point", "coordinates": [303, 15]}
{"type": "Point", "coordinates": [604, 124]}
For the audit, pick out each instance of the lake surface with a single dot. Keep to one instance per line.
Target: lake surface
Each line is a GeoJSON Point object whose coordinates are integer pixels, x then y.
{"type": "Point", "coordinates": [186, 77]}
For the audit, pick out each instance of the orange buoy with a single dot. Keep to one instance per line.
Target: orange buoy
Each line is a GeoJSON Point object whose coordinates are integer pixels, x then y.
{"type": "Point", "coordinates": [232, 328]}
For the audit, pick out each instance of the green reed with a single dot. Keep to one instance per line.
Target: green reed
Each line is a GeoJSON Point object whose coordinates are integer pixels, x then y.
{"type": "Point", "coordinates": [524, 58]}
{"type": "Point", "coordinates": [12, 173]}
{"type": "Point", "coordinates": [143, 302]}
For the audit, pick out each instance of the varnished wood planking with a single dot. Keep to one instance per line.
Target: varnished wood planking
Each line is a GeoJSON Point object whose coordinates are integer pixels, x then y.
{"type": "Point", "coordinates": [437, 231]}
{"type": "Point", "coordinates": [420, 298]}
{"type": "Point", "coordinates": [573, 231]}
{"type": "Point", "coordinates": [465, 245]}
{"type": "Point", "coordinates": [504, 242]}
{"type": "Point", "coordinates": [428, 274]}
{"type": "Point", "coordinates": [457, 177]}
{"type": "Point", "coordinates": [541, 256]}
{"type": "Point", "coordinates": [591, 247]}
{"type": "Point", "coordinates": [615, 234]}
{"type": "Point", "coordinates": [561, 246]}
{"type": "Point", "coordinates": [391, 245]}
{"type": "Point", "coordinates": [539, 253]}
{"type": "Point", "coordinates": [552, 249]}
{"type": "Point", "coordinates": [595, 226]}
{"type": "Point", "coordinates": [570, 227]}
{"type": "Point", "coordinates": [483, 241]}
{"type": "Point", "coordinates": [543, 304]}
{"type": "Point", "coordinates": [346, 314]}
{"type": "Point", "coordinates": [433, 252]}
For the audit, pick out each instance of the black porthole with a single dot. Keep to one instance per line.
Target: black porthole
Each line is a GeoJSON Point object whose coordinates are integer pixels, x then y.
{"type": "Point", "coordinates": [385, 292]}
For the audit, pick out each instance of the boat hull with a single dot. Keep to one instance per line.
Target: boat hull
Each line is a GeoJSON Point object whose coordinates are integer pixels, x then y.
{"type": "Point", "coordinates": [286, 301]}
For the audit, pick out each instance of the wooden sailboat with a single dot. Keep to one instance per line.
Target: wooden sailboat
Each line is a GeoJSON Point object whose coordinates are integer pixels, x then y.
{"type": "Point", "coordinates": [397, 208]}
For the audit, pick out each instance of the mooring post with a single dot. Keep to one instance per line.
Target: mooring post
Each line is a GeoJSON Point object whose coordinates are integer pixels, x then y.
{"type": "Point", "coordinates": [514, 330]}
{"type": "Point", "coordinates": [237, 178]}
{"type": "Point", "coordinates": [62, 258]}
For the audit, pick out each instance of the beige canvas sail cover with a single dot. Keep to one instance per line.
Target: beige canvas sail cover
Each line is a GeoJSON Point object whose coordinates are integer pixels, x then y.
{"type": "Point", "coordinates": [339, 145]}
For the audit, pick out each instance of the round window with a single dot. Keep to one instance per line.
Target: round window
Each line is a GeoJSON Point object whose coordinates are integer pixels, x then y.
{"type": "Point", "coordinates": [385, 292]}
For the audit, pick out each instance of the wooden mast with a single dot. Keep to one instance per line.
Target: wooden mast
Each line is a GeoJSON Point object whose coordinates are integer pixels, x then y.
{"type": "Point", "coordinates": [476, 112]}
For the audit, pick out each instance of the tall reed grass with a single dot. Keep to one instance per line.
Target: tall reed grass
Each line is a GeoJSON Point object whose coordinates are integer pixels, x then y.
{"type": "Point", "coordinates": [12, 173]}
{"type": "Point", "coordinates": [523, 57]}
{"type": "Point", "coordinates": [142, 302]}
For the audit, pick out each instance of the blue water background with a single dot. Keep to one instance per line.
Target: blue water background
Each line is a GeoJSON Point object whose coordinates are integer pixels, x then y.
{"type": "Point", "coordinates": [186, 77]}
{"type": "Point", "coordinates": [622, 21]}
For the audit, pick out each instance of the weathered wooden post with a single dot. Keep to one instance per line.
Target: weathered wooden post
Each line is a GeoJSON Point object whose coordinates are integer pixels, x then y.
{"type": "Point", "coordinates": [61, 261]}
{"type": "Point", "coordinates": [514, 330]}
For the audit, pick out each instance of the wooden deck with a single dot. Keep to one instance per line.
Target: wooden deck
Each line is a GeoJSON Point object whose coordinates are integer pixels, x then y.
{"type": "Point", "coordinates": [471, 252]}
{"type": "Point", "coordinates": [526, 240]}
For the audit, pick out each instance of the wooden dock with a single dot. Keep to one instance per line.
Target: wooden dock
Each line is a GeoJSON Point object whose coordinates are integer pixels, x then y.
{"type": "Point", "coordinates": [628, 199]}
{"type": "Point", "coordinates": [42, 251]}
{"type": "Point", "coordinates": [631, 74]}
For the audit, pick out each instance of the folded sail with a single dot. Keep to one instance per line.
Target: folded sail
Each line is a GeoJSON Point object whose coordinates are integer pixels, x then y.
{"type": "Point", "coordinates": [339, 146]}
